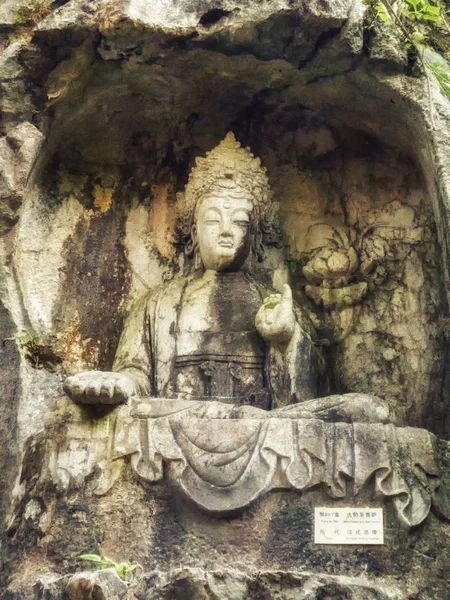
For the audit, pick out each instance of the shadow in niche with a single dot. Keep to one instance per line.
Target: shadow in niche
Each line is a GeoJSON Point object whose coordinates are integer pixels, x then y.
{"type": "Point", "coordinates": [322, 171]}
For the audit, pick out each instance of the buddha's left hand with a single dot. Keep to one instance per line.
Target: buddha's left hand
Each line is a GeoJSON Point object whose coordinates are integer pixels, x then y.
{"type": "Point", "coordinates": [275, 320]}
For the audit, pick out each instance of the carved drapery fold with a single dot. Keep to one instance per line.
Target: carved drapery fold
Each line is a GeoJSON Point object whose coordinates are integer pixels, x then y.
{"type": "Point", "coordinates": [224, 464]}
{"type": "Point", "coordinates": [223, 460]}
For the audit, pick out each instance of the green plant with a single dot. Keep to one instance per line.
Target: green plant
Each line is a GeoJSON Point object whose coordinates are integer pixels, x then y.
{"type": "Point", "coordinates": [420, 22]}
{"type": "Point", "coordinates": [124, 570]}
{"type": "Point", "coordinates": [442, 73]}
{"type": "Point", "coordinates": [415, 10]}
{"type": "Point", "coordinates": [422, 10]}
{"type": "Point", "coordinates": [23, 337]}
{"type": "Point", "coordinates": [39, 349]}
{"type": "Point", "coordinates": [33, 12]}
{"type": "Point", "coordinates": [381, 12]}
{"type": "Point", "coordinates": [408, 14]}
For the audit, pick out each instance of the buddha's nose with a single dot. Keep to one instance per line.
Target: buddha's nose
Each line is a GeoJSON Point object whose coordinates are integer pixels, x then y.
{"type": "Point", "coordinates": [226, 228]}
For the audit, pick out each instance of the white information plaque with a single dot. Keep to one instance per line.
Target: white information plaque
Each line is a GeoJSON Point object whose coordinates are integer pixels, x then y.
{"type": "Point", "coordinates": [348, 526]}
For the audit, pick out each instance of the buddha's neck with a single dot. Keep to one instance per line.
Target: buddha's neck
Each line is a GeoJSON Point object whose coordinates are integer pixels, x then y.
{"type": "Point", "coordinates": [210, 274]}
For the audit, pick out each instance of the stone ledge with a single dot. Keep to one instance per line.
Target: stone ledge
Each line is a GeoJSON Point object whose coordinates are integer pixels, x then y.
{"type": "Point", "coordinates": [200, 584]}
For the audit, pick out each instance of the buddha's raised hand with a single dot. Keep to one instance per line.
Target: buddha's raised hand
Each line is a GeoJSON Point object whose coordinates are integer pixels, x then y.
{"type": "Point", "coordinates": [97, 387]}
{"type": "Point", "coordinates": [275, 320]}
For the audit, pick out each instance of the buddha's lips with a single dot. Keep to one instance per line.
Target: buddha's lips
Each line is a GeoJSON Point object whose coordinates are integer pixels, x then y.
{"type": "Point", "coordinates": [226, 244]}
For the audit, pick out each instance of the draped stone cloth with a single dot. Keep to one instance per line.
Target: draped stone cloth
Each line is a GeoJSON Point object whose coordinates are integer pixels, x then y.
{"type": "Point", "coordinates": [224, 458]}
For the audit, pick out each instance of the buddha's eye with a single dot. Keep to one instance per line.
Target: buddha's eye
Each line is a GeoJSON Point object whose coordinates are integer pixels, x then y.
{"type": "Point", "coordinates": [211, 217]}
{"type": "Point", "coordinates": [241, 219]}
{"type": "Point", "coordinates": [241, 223]}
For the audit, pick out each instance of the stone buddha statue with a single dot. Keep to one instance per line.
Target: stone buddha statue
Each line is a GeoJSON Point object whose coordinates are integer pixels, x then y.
{"type": "Point", "coordinates": [220, 334]}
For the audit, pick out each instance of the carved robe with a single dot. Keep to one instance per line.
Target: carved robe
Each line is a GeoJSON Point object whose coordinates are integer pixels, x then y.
{"type": "Point", "coordinates": [196, 338]}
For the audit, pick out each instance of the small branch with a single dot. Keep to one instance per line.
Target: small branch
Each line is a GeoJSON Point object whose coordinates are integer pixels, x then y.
{"type": "Point", "coordinates": [396, 18]}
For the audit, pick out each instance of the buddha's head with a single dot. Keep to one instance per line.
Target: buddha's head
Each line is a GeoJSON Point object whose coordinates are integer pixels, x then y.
{"type": "Point", "coordinates": [226, 207]}
{"type": "Point", "coordinates": [223, 229]}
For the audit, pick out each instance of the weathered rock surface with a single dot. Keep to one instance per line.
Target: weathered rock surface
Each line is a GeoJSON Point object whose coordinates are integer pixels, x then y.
{"type": "Point", "coordinates": [194, 583]}
{"type": "Point", "coordinates": [200, 584]}
{"type": "Point", "coordinates": [104, 107]}
{"type": "Point", "coordinates": [101, 585]}
{"type": "Point", "coordinates": [60, 513]}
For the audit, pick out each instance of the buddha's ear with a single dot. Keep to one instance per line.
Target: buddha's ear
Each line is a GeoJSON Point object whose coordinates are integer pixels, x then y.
{"type": "Point", "coordinates": [191, 241]}
{"type": "Point", "coordinates": [194, 237]}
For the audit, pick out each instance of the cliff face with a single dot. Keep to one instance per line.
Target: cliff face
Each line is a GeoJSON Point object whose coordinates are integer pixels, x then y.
{"type": "Point", "coordinates": [104, 107]}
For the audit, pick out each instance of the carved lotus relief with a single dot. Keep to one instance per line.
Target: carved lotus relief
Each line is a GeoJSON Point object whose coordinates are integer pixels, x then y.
{"type": "Point", "coordinates": [333, 265]}
{"type": "Point", "coordinates": [340, 265]}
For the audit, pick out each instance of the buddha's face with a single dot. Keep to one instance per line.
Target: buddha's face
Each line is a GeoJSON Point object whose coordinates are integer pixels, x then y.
{"type": "Point", "coordinates": [223, 231]}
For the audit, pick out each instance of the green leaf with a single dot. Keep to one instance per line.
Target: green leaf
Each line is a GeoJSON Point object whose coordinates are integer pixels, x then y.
{"type": "Point", "coordinates": [419, 38]}
{"type": "Point", "coordinates": [92, 557]}
{"type": "Point", "coordinates": [442, 73]}
{"type": "Point", "coordinates": [123, 570]}
{"type": "Point", "coordinates": [431, 18]}
{"type": "Point", "coordinates": [434, 10]}
{"type": "Point", "coordinates": [382, 12]}
{"type": "Point", "coordinates": [412, 6]}
{"type": "Point", "coordinates": [423, 10]}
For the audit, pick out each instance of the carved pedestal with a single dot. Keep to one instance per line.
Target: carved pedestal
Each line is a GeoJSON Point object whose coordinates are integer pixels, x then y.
{"type": "Point", "coordinates": [216, 503]}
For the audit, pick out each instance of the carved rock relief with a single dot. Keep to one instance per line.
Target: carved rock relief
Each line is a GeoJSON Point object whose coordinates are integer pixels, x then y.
{"type": "Point", "coordinates": [364, 260]}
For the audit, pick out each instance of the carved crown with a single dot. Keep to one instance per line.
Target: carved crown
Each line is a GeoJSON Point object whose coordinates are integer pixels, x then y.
{"type": "Point", "coordinates": [228, 166]}
{"type": "Point", "coordinates": [229, 169]}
